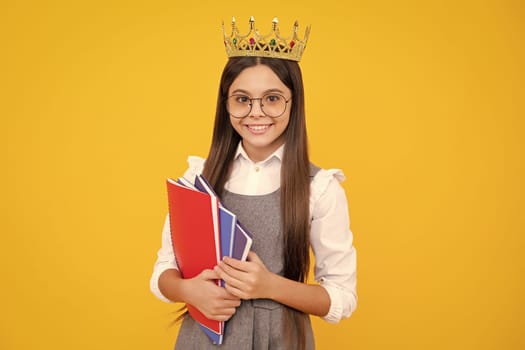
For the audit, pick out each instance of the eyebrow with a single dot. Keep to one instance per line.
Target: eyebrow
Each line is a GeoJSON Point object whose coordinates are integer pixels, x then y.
{"type": "Point", "coordinates": [236, 91]}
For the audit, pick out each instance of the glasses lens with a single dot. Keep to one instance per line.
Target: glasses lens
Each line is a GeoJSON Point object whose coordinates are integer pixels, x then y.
{"type": "Point", "coordinates": [273, 105]}
{"type": "Point", "coordinates": [238, 106]}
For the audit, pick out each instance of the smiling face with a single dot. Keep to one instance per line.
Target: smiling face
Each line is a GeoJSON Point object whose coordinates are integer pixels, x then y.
{"type": "Point", "coordinates": [261, 135]}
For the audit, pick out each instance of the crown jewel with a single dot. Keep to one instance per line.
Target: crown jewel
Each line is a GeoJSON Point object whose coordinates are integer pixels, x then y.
{"type": "Point", "coordinates": [269, 45]}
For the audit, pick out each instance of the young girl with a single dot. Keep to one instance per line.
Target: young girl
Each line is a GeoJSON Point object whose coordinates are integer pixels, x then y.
{"type": "Point", "coordinates": [258, 164]}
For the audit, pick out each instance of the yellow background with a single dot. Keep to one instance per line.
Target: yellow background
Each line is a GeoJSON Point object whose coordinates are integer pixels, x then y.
{"type": "Point", "coordinates": [421, 103]}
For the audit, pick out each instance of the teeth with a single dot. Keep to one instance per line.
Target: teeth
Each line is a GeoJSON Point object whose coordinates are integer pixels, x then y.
{"type": "Point", "coordinates": [259, 127]}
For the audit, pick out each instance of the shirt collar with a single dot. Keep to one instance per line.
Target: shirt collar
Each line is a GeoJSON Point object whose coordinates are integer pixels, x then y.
{"type": "Point", "coordinates": [241, 152]}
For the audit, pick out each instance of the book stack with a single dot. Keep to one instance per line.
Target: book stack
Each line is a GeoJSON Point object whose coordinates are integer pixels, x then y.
{"type": "Point", "coordinates": [203, 231]}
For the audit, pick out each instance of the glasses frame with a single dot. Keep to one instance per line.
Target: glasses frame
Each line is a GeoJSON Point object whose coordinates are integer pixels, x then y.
{"type": "Point", "coordinates": [261, 105]}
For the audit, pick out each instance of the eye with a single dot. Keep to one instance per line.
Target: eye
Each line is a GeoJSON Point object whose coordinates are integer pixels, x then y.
{"type": "Point", "coordinates": [242, 99]}
{"type": "Point", "coordinates": [273, 98]}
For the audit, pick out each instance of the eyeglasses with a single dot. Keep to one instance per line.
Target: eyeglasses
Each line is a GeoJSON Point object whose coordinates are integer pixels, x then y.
{"type": "Point", "coordinates": [272, 105]}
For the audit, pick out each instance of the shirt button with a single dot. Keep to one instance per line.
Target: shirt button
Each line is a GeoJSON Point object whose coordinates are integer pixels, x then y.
{"type": "Point", "coordinates": [257, 169]}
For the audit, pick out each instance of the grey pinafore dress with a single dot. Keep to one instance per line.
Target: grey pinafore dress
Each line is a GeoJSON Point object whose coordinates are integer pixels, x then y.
{"type": "Point", "coordinates": [257, 324]}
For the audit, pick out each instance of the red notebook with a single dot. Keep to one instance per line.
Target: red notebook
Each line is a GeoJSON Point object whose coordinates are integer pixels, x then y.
{"type": "Point", "coordinates": [194, 225]}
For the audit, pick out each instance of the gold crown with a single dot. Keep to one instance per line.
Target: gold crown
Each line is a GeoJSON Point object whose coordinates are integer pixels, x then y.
{"type": "Point", "coordinates": [270, 45]}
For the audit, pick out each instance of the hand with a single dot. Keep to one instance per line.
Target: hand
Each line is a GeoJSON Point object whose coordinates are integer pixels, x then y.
{"type": "Point", "coordinates": [215, 302]}
{"type": "Point", "coordinates": [246, 279]}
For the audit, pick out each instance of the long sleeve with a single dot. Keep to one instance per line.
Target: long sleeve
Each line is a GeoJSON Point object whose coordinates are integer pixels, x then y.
{"type": "Point", "coordinates": [165, 260]}
{"type": "Point", "coordinates": [332, 243]}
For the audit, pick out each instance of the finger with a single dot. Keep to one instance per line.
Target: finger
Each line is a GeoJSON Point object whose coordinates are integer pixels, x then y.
{"type": "Point", "coordinates": [226, 273]}
{"type": "Point", "coordinates": [224, 268]}
{"type": "Point", "coordinates": [236, 287]}
{"type": "Point", "coordinates": [229, 298]}
{"type": "Point", "coordinates": [236, 291]}
{"type": "Point", "coordinates": [226, 315]}
{"type": "Point", "coordinates": [231, 303]}
{"type": "Point", "coordinates": [209, 274]}
{"type": "Point", "coordinates": [236, 264]}
{"type": "Point", "coordinates": [253, 257]}
{"type": "Point", "coordinates": [223, 315]}
{"type": "Point", "coordinates": [233, 299]}
{"type": "Point", "coordinates": [224, 309]}
{"type": "Point", "coordinates": [220, 272]}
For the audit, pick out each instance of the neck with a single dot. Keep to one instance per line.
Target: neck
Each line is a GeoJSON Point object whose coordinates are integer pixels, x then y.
{"type": "Point", "coordinates": [258, 154]}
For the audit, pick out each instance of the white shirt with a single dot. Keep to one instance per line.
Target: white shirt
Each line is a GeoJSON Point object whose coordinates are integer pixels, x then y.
{"type": "Point", "coordinates": [330, 235]}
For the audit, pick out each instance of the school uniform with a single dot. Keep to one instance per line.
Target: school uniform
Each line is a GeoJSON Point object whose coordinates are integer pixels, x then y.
{"type": "Point", "coordinates": [252, 193]}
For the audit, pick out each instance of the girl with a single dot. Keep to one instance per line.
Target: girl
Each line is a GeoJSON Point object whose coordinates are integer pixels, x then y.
{"type": "Point", "coordinates": [258, 164]}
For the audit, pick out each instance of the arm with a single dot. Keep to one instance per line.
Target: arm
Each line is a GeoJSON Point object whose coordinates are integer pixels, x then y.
{"type": "Point", "coordinates": [308, 298]}
{"type": "Point", "coordinates": [201, 291]}
{"type": "Point", "coordinates": [332, 242]}
{"type": "Point", "coordinates": [335, 261]}
{"type": "Point", "coordinates": [251, 280]}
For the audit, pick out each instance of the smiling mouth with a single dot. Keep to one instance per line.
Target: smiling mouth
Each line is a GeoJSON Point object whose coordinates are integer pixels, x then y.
{"type": "Point", "coordinates": [258, 128]}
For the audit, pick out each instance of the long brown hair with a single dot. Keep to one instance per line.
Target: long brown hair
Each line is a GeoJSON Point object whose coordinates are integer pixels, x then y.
{"type": "Point", "coordinates": [295, 170]}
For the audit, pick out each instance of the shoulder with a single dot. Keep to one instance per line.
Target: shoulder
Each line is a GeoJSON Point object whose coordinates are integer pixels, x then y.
{"type": "Point", "coordinates": [324, 180]}
{"type": "Point", "coordinates": [195, 167]}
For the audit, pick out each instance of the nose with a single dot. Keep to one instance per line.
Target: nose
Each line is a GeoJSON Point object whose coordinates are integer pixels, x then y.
{"type": "Point", "coordinates": [256, 110]}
